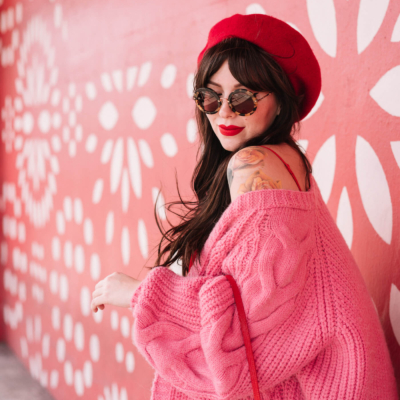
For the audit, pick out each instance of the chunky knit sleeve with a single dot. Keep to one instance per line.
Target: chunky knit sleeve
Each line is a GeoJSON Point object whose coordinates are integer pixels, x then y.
{"type": "Point", "coordinates": [188, 328]}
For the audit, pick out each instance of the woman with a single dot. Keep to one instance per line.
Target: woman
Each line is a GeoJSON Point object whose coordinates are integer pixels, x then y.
{"type": "Point", "coordinates": [313, 327]}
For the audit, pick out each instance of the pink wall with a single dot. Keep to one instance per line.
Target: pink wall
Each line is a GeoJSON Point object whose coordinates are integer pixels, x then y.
{"type": "Point", "coordinates": [96, 113]}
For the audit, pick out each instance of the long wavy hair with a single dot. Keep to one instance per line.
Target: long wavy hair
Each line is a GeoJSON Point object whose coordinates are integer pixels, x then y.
{"type": "Point", "coordinates": [257, 70]}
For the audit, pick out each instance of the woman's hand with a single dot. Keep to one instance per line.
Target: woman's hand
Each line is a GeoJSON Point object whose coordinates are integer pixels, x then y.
{"type": "Point", "coordinates": [116, 289]}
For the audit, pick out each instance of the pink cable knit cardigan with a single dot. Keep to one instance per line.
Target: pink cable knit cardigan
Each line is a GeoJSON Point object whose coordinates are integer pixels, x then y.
{"type": "Point", "coordinates": [314, 329]}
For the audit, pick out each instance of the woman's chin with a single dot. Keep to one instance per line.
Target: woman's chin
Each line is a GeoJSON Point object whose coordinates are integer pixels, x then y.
{"type": "Point", "coordinates": [230, 143]}
{"type": "Point", "coordinates": [230, 147]}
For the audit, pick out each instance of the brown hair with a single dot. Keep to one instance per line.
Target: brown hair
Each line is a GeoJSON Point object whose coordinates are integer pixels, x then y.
{"type": "Point", "coordinates": [257, 70]}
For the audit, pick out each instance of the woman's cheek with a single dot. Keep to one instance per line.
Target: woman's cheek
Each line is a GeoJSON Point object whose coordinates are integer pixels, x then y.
{"type": "Point", "coordinates": [213, 124]}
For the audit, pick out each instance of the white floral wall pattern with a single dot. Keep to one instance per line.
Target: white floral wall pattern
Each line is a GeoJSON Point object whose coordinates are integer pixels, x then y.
{"type": "Point", "coordinates": [119, 117]}
{"type": "Point", "coordinates": [10, 18]}
{"type": "Point", "coordinates": [96, 117]}
{"type": "Point", "coordinates": [7, 116]}
{"type": "Point", "coordinates": [35, 87]}
{"type": "Point", "coordinates": [38, 169]}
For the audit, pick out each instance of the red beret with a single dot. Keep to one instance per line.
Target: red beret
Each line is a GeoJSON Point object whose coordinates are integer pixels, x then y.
{"type": "Point", "coordinates": [287, 46]}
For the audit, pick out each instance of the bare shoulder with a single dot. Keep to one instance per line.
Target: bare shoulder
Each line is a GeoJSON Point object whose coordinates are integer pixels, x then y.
{"type": "Point", "coordinates": [256, 168]}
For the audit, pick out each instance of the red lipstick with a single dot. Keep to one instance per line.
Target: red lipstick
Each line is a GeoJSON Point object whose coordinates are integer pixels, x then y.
{"type": "Point", "coordinates": [230, 130]}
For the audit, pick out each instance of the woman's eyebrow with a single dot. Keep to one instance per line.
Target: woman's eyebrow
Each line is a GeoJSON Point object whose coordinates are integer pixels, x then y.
{"type": "Point", "coordinates": [216, 84]}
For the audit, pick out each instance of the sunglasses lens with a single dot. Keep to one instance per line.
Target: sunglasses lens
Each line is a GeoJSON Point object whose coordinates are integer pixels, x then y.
{"type": "Point", "coordinates": [208, 100]}
{"type": "Point", "coordinates": [242, 103]}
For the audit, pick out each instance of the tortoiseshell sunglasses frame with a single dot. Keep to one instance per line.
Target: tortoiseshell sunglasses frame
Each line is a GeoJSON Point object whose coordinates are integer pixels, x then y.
{"type": "Point", "coordinates": [214, 93]}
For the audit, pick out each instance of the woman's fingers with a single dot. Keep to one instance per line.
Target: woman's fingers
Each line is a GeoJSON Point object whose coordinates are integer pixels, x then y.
{"type": "Point", "coordinates": [97, 293]}
{"type": "Point", "coordinates": [99, 307]}
{"type": "Point", "coordinates": [97, 302]}
{"type": "Point", "coordinates": [115, 289]}
{"type": "Point", "coordinates": [99, 284]}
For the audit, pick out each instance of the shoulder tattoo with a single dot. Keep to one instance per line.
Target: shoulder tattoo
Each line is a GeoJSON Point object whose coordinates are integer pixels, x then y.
{"type": "Point", "coordinates": [246, 171]}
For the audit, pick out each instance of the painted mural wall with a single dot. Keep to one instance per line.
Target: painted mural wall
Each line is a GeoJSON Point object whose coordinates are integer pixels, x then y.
{"type": "Point", "coordinates": [96, 118]}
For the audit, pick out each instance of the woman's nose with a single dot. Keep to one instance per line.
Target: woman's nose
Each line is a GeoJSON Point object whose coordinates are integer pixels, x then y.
{"type": "Point", "coordinates": [225, 111]}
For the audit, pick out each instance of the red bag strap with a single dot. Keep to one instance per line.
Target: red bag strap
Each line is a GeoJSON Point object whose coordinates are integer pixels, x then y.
{"type": "Point", "coordinates": [192, 257]}
{"type": "Point", "coordinates": [245, 331]}
{"type": "Point", "coordinates": [246, 336]}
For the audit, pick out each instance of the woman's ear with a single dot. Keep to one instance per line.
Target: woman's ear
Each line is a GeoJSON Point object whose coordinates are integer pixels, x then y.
{"type": "Point", "coordinates": [279, 110]}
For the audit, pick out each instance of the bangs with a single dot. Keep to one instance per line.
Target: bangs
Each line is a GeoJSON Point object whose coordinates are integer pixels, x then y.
{"type": "Point", "coordinates": [244, 64]}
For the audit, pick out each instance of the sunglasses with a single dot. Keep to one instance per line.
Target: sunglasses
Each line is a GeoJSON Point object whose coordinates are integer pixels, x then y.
{"type": "Point", "coordinates": [241, 101]}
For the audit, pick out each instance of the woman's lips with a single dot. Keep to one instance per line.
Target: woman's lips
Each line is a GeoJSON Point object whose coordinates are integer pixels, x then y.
{"type": "Point", "coordinates": [230, 130]}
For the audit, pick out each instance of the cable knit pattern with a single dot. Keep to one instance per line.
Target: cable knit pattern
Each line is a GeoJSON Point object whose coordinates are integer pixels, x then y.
{"type": "Point", "coordinates": [314, 330]}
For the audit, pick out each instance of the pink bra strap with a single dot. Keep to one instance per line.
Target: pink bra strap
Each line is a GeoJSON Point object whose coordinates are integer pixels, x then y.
{"type": "Point", "coordinates": [286, 165]}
